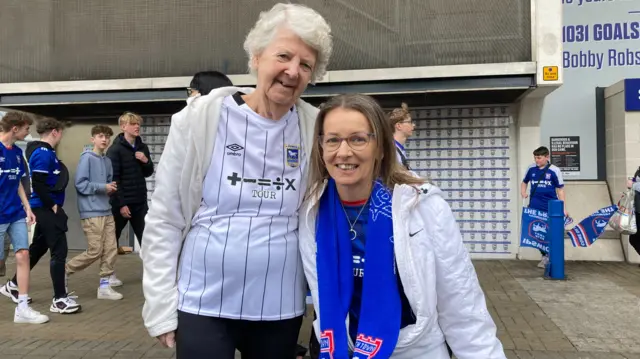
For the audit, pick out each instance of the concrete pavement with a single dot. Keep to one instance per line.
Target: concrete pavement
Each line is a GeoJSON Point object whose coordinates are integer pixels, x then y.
{"type": "Point", "coordinates": [594, 314]}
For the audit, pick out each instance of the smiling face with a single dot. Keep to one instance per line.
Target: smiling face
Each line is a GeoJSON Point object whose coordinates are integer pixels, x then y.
{"type": "Point", "coordinates": [284, 68]}
{"type": "Point", "coordinates": [21, 132]}
{"type": "Point", "coordinates": [349, 151]}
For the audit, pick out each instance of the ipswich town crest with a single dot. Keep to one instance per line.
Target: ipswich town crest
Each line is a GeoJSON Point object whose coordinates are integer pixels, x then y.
{"type": "Point", "coordinates": [366, 347]}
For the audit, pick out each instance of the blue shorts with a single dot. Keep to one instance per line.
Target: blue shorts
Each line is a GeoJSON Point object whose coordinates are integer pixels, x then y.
{"type": "Point", "coordinates": [18, 233]}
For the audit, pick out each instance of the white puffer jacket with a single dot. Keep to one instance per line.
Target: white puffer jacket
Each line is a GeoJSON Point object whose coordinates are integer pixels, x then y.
{"type": "Point", "coordinates": [436, 271]}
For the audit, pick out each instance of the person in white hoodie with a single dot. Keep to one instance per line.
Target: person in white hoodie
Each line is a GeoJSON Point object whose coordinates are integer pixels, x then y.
{"type": "Point", "coordinates": [388, 272]}
{"type": "Point", "coordinates": [222, 269]}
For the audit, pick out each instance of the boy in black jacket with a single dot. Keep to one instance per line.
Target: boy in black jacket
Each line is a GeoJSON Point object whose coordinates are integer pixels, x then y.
{"type": "Point", "coordinates": [131, 165]}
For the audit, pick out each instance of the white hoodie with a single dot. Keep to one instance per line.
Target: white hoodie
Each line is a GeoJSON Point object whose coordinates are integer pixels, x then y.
{"type": "Point", "coordinates": [436, 272]}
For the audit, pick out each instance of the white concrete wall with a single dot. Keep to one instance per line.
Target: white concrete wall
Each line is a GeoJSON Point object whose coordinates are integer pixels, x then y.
{"type": "Point", "coordinates": [584, 198]}
{"type": "Point", "coordinates": [616, 140]}
{"type": "Point", "coordinates": [623, 149]}
{"type": "Point", "coordinates": [528, 130]}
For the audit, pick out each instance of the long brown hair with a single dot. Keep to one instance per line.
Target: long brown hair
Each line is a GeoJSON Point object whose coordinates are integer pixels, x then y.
{"type": "Point", "coordinates": [386, 167]}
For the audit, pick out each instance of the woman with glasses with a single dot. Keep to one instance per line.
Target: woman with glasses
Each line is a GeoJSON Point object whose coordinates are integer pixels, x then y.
{"type": "Point", "coordinates": [382, 251]}
{"type": "Point", "coordinates": [222, 271]}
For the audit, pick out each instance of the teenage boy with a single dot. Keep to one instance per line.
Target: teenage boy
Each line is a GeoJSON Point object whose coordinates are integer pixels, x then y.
{"type": "Point", "coordinates": [131, 165]}
{"type": "Point", "coordinates": [49, 179]}
{"type": "Point", "coordinates": [94, 184]}
{"type": "Point", "coordinates": [546, 185]}
{"type": "Point", "coordinates": [403, 127]}
{"type": "Point", "coordinates": [15, 211]}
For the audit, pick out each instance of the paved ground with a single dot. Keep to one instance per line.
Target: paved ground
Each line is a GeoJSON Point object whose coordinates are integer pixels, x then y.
{"type": "Point", "coordinates": [593, 315]}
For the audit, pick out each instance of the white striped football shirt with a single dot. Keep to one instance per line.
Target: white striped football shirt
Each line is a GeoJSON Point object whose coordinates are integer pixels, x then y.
{"type": "Point", "coordinates": [240, 259]}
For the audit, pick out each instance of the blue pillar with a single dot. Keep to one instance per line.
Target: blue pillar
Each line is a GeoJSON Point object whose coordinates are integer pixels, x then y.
{"type": "Point", "coordinates": [555, 234]}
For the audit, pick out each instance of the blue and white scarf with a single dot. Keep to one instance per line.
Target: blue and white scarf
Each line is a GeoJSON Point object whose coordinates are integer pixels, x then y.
{"type": "Point", "coordinates": [380, 312]}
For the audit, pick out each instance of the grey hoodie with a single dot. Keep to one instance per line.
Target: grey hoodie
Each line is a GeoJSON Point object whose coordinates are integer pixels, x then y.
{"type": "Point", "coordinates": [92, 175]}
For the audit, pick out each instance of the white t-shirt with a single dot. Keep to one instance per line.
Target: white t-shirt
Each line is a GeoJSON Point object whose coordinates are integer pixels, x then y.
{"type": "Point", "coordinates": [240, 259]}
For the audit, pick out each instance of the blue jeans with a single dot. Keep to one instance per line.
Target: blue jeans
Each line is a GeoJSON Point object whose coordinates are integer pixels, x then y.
{"type": "Point", "coordinates": [18, 233]}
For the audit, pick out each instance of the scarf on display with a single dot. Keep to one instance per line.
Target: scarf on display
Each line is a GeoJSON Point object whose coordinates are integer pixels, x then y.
{"type": "Point", "coordinates": [379, 323]}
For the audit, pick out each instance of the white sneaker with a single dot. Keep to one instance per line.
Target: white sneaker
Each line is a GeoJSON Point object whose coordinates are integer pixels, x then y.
{"type": "Point", "coordinates": [109, 294]}
{"type": "Point", "coordinates": [10, 290]}
{"type": "Point", "coordinates": [543, 262]}
{"type": "Point", "coordinates": [114, 282]}
{"type": "Point", "coordinates": [29, 316]}
{"type": "Point", "coordinates": [65, 305]}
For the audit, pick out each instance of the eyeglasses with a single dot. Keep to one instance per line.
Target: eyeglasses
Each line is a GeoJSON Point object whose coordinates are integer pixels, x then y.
{"type": "Point", "coordinates": [357, 141]}
{"type": "Point", "coordinates": [190, 91]}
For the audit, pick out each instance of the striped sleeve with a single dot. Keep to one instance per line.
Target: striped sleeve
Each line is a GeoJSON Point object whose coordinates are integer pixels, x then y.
{"type": "Point", "coordinates": [557, 178]}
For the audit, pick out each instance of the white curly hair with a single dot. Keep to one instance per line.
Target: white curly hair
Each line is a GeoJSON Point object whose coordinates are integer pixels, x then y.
{"type": "Point", "coordinates": [305, 22]}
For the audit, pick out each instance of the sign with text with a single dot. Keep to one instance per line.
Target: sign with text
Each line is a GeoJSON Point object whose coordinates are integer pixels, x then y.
{"type": "Point", "coordinates": [632, 94]}
{"type": "Point", "coordinates": [534, 229]}
{"type": "Point", "coordinates": [565, 154]}
{"type": "Point", "coordinates": [550, 73]}
{"type": "Point", "coordinates": [600, 47]}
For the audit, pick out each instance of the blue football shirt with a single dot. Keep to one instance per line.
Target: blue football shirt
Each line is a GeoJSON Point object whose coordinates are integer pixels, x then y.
{"type": "Point", "coordinates": [547, 183]}
{"type": "Point", "coordinates": [44, 160]}
{"type": "Point", "coordinates": [358, 246]}
{"type": "Point", "coordinates": [11, 171]}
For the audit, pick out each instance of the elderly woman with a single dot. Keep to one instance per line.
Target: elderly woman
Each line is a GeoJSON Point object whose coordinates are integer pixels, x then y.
{"type": "Point", "coordinates": [382, 251]}
{"type": "Point", "coordinates": [220, 255]}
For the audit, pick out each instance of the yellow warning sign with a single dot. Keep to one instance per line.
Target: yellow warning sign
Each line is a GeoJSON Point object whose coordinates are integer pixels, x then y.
{"type": "Point", "coordinates": [550, 73]}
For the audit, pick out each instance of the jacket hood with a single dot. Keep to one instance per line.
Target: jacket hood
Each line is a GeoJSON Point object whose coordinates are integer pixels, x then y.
{"type": "Point", "coordinates": [33, 145]}
{"type": "Point", "coordinates": [415, 193]}
{"type": "Point", "coordinates": [123, 141]}
{"type": "Point", "coordinates": [190, 99]}
{"type": "Point", "coordinates": [89, 152]}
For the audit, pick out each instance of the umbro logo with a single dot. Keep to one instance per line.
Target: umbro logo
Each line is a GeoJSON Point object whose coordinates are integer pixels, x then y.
{"type": "Point", "coordinates": [234, 150]}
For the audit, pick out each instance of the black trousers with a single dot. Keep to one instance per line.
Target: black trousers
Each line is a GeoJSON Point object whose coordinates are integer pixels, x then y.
{"type": "Point", "coordinates": [208, 337]}
{"type": "Point", "coordinates": [634, 239]}
{"type": "Point", "coordinates": [138, 211]}
{"type": "Point", "coordinates": [50, 234]}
